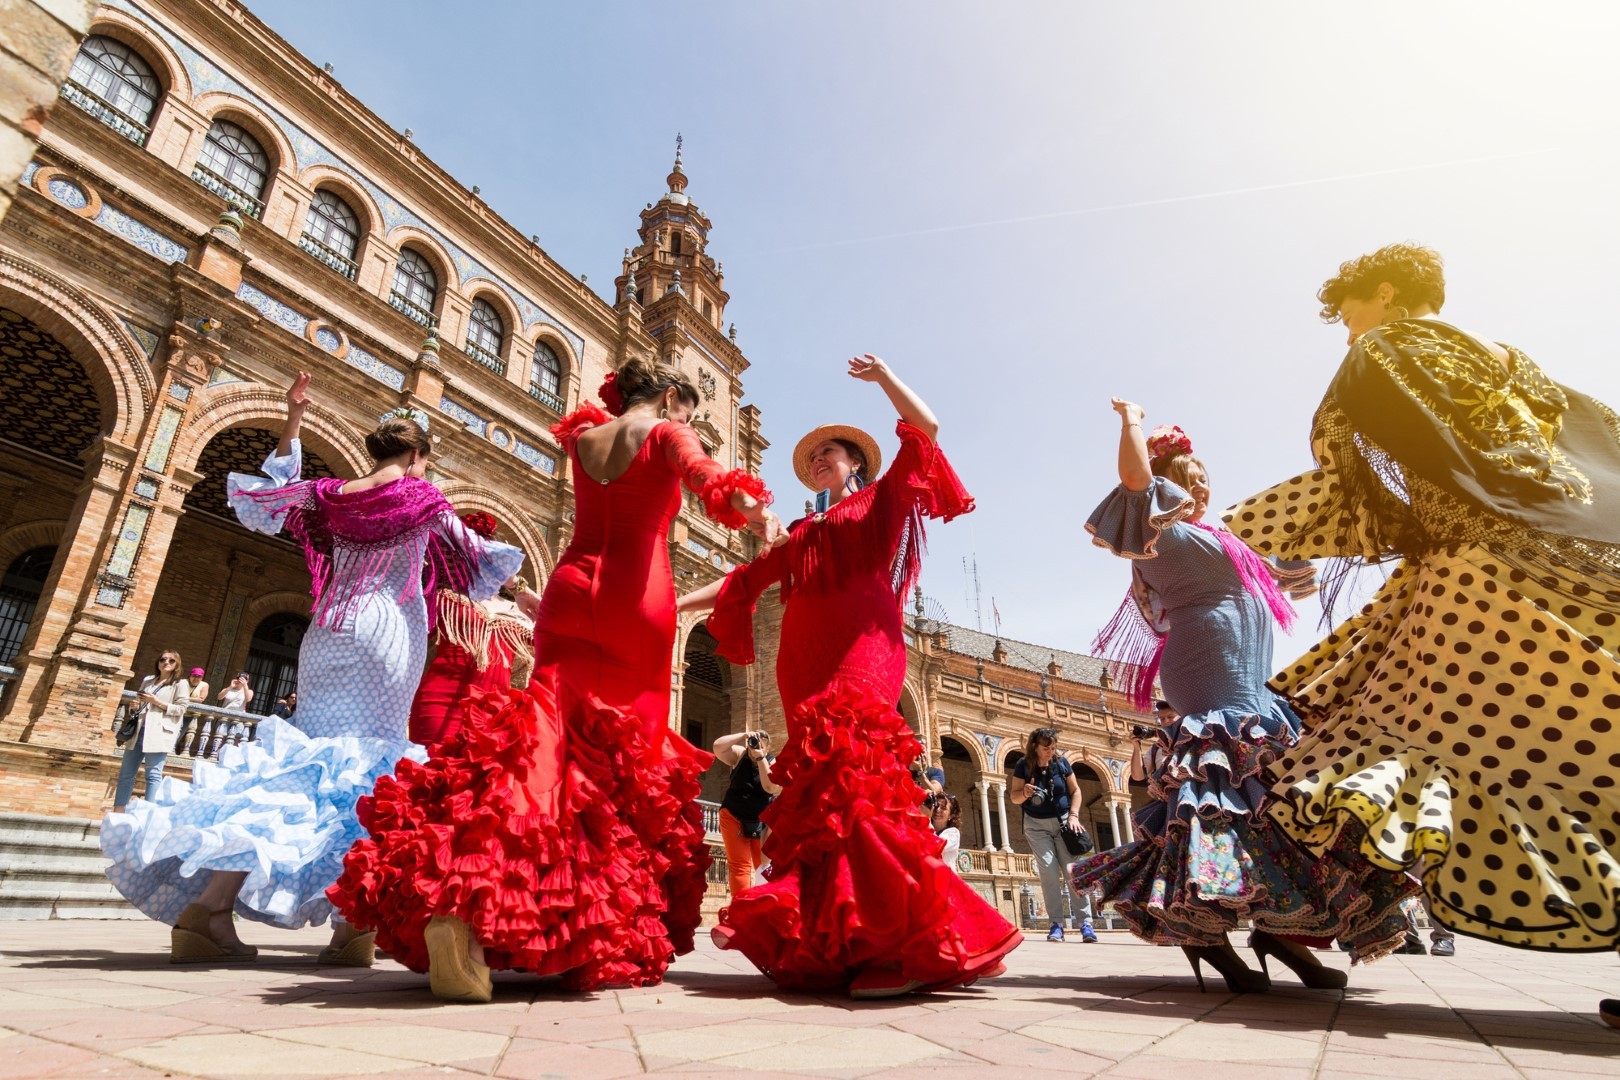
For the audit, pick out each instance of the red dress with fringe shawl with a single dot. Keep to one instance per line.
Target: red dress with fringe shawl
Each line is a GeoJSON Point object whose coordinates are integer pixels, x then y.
{"type": "Point", "coordinates": [560, 822]}
{"type": "Point", "coordinates": [855, 879]}
{"type": "Point", "coordinates": [478, 646]}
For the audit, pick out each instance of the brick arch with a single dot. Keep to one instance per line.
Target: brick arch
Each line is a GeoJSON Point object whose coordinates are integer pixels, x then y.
{"type": "Point", "coordinates": [465, 497]}
{"type": "Point", "coordinates": [485, 289]}
{"type": "Point", "coordinates": [260, 608]}
{"type": "Point", "coordinates": [552, 338]}
{"type": "Point", "coordinates": [170, 69]}
{"type": "Point", "coordinates": [29, 535]}
{"type": "Point", "coordinates": [318, 176]}
{"type": "Point", "coordinates": [233, 406]}
{"type": "Point", "coordinates": [1096, 764]}
{"type": "Point", "coordinates": [975, 749]}
{"type": "Point", "coordinates": [402, 236]}
{"type": "Point", "coordinates": [117, 368]}
{"type": "Point", "coordinates": [219, 105]}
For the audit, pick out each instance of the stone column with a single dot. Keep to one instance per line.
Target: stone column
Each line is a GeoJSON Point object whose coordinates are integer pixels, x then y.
{"type": "Point", "coordinates": [1006, 822]}
{"type": "Point", "coordinates": [1113, 817]}
{"type": "Point", "coordinates": [984, 814]}
{"type": "Point", "coordinates": [1125, 818]}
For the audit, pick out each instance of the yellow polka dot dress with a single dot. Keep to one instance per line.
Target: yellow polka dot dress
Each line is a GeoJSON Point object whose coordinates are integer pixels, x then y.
{"type": "Point", "coordinates": [1462, 725]}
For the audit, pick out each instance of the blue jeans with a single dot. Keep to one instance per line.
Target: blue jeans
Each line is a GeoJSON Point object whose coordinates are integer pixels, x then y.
{"type": "Point", "coordinates": [135, 760]}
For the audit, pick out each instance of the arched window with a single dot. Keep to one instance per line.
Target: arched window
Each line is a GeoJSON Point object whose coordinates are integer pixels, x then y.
{"type": "Point", "coordinates": [332, 232]}
{"type": "Point", "coordinates": [111, 82]}
{"type": "Point", "coordinates": [20, 590]}
{"type": "Point", "coordinates": [416, 287]}
{"type": "Point", "coordinates": [272, 660]}
{"type": "Point", "coordinates": [486, 333]}
{"type": "Point", "coordinates": [233, 166]}
{"type": "Point", "coordinates": [545, 377]}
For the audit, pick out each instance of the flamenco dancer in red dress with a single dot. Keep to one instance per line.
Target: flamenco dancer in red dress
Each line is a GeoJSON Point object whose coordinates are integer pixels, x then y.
{"type": "Point", "coordinates": [856, 895]}
{"type": "Point", "coordinates": [478, 646]}
{"type": "Point", "coordinates": [556, 832]}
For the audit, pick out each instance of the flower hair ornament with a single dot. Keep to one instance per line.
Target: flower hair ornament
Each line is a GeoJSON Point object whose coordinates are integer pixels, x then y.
{"type": "Point", "coordinates": [610, 394]}
{"type": "Point", "coordinates": [481, 523]}
{"type": "Point", "coordinates": [1168, 441]}
{"type": "Point", "coordinates": [405, 412]}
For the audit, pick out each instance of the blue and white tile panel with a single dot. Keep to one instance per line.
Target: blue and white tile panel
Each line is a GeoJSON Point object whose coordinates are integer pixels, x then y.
{"type": "Point", "coordinates": [207, 77]}
{"type": "Point", "coordinates": [296, 322]}
{"type": "Point", "coordinates": [149, 240]}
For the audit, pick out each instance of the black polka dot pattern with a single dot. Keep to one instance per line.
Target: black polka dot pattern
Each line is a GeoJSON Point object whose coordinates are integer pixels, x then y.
{"type": "Point", "coordinates": [1466, 722]}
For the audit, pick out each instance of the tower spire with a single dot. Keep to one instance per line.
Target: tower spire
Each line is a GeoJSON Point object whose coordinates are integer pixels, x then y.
{"type": "Point", "coordinates": [677, 176]}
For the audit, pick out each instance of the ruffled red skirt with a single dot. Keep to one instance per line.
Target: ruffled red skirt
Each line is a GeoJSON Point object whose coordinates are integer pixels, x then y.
{"type": "Point", "coordinates": [855, 881]}
{"type": "Point", "coordinates": [568, 844]}
{"type": "Point", "coordinates": [447, 686]}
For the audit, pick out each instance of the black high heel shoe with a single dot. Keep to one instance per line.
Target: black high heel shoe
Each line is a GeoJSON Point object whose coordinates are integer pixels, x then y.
{"type": "Point", "coordinates": [1309, 970]}
{"type": "Point", "coordinates": [1609, 1011]}
{"type": "Point", "coordinates": [1240, 979]}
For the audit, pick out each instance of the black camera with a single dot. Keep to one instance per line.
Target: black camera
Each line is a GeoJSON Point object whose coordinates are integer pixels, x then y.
{"type": "Point", "coordinates": [1145, 732]}
{"type": "Point", "coordinates": [753, 741]}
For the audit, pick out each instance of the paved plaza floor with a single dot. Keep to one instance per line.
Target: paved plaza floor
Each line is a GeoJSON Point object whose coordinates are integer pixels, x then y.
{"type": "Point", "coordinates": [82, 999]}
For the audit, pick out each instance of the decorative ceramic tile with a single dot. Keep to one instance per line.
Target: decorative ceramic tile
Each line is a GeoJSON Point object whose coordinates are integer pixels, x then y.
{"type": "Point", "coordinates": [697, 548]}
{"type": "Point", "coordinates": [138, 233]}
{"type": "Point", "coordinates": [28, 174]}
{"type": "Point", "coordinates": [129, 540]}
{"type": "Point", "coordinates": [157, 455]}
{"type": "Point", "coordinates": [327, 340]}
{"type": "Point", "coordinates": [68, 193]}
{"type": "Point", "coordinates": [206, 77]}
{"type": "Point", "coordinates": [500, 438]}
{"type": "Point", "coordinates": [471, 420]}
{"type": "Point", "coordinates": [180, 391]}
{"type": "Point", "coordinates": [107, 596]}
{"type": "Point", "coordinates": [272, 309]}
{"type": "Point", "coordinates": [220, 377]}
{"type": "Point", "coordinates": [540, 459]}
{"type": "Point", "coordinates": [146, 488]}
{"type": "Point", "coordinates": [148, 339]}
{"type": "Point", "coordinates": [383, 372]}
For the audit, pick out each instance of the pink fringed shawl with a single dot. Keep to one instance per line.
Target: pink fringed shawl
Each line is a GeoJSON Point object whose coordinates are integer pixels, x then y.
{"type": "Point", "coordinates": [374, 526]}
{"type": "Point", "coordinates": [1133, 641]}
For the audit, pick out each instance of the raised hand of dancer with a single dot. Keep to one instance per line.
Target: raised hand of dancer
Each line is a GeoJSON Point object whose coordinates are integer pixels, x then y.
{"type": "Point", "coordinates": [912, 409]}
{"type": "Point", "coordinates": [297, 402]}
{"type": "Point", "coordinates": [1134, 471]}
{"type": "Point", "coordinates": [1129, 411]}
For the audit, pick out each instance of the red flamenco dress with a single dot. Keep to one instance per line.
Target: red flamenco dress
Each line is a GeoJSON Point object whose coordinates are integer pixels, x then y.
{"type": "Point", "coordinates": [855, 883]}
{"type": "Point", "coordinates": [478, 647]}
{"type": "Point", "coordinates": [560, 822]}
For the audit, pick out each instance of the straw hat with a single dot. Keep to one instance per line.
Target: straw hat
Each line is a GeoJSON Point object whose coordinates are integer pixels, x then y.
{"type": "Point", "coordinates": [807, 445]}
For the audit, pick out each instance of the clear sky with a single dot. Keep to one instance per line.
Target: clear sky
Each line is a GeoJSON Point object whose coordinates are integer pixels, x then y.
{"type": "Point", "coordinates": [1028, 207]}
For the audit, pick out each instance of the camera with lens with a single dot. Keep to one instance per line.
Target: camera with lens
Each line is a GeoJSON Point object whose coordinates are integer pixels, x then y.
{"type": "Point", "coordinates": [1144, 732]}
{"type": "Point", "coordinates": [753, 740]}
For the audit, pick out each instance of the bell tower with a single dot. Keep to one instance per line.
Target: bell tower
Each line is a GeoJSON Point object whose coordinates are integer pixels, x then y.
{"type": "Point", "coordinates": [672, 259]}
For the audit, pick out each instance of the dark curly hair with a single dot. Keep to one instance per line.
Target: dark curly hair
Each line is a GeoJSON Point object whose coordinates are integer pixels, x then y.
{"type": "Point", "coordinates": [1416, 272]}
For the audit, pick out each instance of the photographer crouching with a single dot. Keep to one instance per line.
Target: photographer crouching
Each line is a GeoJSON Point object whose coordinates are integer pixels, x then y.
{"type": "Point", "coordinates": [748, 793]}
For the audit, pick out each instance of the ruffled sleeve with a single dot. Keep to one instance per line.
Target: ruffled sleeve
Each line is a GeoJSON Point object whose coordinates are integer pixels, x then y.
{"type": "Point", "coordinates": [707, 478]}
{"type": "Point", "coordinates": [462, 560]}
{"type": "Point", "coordinates": [1131, 523]}
{"type": "Point", "coordinates": [581, 420]}
{"type": "Point", "coordinates": [732, 620]}
{"type": "Point", "coordinates": [925, 478]}
{"type": "Point", "coordinates": [261, 502]}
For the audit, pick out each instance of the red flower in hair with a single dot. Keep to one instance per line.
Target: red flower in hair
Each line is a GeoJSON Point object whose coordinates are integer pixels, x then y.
{"type": "Point", "coordinates": [610, 395]}
{"type": "Point", "coordinates": [481, 523]}
{"type": "Point", "coordinates": [1168, 441]}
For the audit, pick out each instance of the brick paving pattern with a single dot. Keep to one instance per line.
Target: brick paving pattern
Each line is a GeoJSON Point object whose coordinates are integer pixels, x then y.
{"type": "Point", "coordinates": [83, 999]}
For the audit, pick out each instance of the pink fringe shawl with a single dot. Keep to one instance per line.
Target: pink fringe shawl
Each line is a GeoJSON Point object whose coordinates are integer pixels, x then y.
{"type": "Point", "coordinates": [1133, 646]}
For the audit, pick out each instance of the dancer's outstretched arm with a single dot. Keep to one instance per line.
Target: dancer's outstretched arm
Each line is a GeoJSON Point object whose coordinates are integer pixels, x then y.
{"type": "Point", "coordinates": [912, 409]}
{"type": "Point", "coordinates": [297, 402]}
{"type": "Point", "coordinates": [700, 601]}
{"type": "Point", "coordinates": [1133, 452]}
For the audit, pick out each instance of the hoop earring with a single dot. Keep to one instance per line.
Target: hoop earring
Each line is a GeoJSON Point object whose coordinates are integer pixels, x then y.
{"type": "Point", "coordinates": [853, 478]}
{"type": "Point", "coordinates": [663, 414]}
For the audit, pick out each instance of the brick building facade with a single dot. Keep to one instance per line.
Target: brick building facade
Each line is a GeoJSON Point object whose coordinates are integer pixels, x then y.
{"type": "Point", "coordinates": [208, 213]}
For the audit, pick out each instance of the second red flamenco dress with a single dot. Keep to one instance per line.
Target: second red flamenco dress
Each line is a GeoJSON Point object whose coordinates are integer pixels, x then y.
{"type": "Point", "coordinates": [856, 886]}
{"type": "Point", "coordinates": [560, 822]}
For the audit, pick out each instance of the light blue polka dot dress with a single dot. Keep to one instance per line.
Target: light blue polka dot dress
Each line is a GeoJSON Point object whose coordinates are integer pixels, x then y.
{"type": "Point", "coordinates": [282, 809]}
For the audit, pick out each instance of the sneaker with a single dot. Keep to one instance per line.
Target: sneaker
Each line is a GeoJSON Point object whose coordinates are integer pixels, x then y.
{"type": "Point", "coordinates": [1443, 947]}
{"type": "Point", "coordinates": [1055, 934]}
{"type": "Point", "coordinates": [1087, 934]}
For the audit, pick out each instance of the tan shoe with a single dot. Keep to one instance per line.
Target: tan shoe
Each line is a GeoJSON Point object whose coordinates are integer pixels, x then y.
{"type": "Point", "coordinates": [192, 942]}
{"type": "Point", "coordinates": [359, 951]}
{"type": "Point", "coordinates": [452, 973]}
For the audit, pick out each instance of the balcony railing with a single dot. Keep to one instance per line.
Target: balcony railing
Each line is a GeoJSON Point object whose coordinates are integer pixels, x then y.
{"type": "Point", "coordinates": [410, 308]}
{"type": "Point", "coordinates": [109, 114]}
{"type": "Point", "coordinates": [485, 357]}
{"type": "Point", "coordinates": [333, 259]}
{"type": "Point", "coordinates": [205, 730]}
{"type": "Point", "coordinates": [547, 398]}
{"type": "Point", "coordinates": [233, 195]}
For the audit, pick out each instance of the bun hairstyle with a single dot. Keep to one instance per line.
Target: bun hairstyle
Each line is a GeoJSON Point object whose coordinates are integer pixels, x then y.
{"type": "Point", "coordinates": [1417, 274]}
{"type": "Point", "coordinates": [395, 436]}
{"type": "Point", "coordinates": [641, 380]}
{"type": "Point", "coordinates": [1170, 455]}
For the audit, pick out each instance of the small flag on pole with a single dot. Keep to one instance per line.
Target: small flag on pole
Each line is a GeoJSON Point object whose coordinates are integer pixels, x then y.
{"type": "Point", "coordinates": [997, 613]}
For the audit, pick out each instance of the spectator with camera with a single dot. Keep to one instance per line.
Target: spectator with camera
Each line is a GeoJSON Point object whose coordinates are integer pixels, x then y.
{"type": "Point", "coordinates": [945, 814]}
{"type": "Point", "coordinates": [1044, 785]}
{"type": "Point", "coordinates": [151, 729]}
{"type": "Point", "coordinates": [749, 791]}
